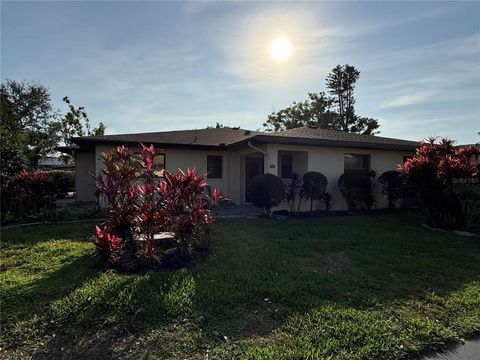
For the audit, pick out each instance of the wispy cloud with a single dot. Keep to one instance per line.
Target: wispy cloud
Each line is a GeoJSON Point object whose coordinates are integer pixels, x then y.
{"type": "Point", "coordinates": [408, 100]}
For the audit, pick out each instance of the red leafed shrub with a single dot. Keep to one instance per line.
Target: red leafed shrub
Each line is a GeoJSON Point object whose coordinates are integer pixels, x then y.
{"type": "Point", "coordinates": [432, 173]}
{"type": "Point", "coordinates": [28, 193]}
{"type": "Point", "coordinates": [140, 205]}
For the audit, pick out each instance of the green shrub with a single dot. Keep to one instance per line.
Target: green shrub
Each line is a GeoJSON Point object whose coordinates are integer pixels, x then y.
{"type": "Point", "coordinates": [314, 186]}
{"type": "Point", "coordinates": [63, 180]}
{"type": "Point", "coordinates": [266, 191]}
{"type": "Point", "coordinates": [391, 186]}
{"type": "Point", "coordinates": [357, 189]}
{"type": "Point", "coordinates": [469, 196]}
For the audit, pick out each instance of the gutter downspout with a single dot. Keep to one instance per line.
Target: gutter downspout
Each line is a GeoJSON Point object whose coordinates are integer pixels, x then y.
{"type": "Point", "coordinates": [266, 162]}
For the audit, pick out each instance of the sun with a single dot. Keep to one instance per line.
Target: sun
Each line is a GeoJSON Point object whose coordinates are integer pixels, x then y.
{"type": "Point", "coordinates": [281, 49]}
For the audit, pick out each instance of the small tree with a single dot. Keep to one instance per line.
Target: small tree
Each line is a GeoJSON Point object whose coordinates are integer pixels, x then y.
{"type": "Point", "coordinates": [391, 186]}
{"type": "Point", "coordinates": [292, 191]}
{"type": "Point", "coordinates": [432, 172]}
{"type": "Point", "coordinates": [314, 186]}
{"type": "Point", "coordinates": [266, 191]}
{"type": "Point", "coordinates": [357, 189]}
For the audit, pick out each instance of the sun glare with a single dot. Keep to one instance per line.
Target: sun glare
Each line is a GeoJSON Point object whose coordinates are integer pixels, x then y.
{"type": "Point", "coordinates": [281, 49]}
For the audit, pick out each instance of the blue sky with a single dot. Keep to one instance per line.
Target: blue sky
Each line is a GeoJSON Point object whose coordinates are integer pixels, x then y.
{"type": "Point", "coordinates": [154, 66]}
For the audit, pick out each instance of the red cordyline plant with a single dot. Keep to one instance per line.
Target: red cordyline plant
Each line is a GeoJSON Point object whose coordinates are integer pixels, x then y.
{"type": "Point", "coordinates": [432, 173]}
{"type": "Point", "coordinates": [140, 205]}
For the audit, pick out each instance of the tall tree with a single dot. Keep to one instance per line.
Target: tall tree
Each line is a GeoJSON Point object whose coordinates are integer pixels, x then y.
{"type": "Point", "coordinates": [314, 112]}
{"type": "Point", "coordinates": [341, 86]}
{"type": "Point", "coordinates": [30, 107]}
{"type": "Point", "coordinates": [334, 112]}
{"type": "Point", "coordinates": [13, 156]}
{"type": "Point", "coordinates": [76, 123]}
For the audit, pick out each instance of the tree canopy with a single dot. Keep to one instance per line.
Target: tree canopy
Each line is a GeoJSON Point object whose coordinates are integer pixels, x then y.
{"type": "Point", "coordinates": [335, 111]}
{"type": "Point", "coordinates": [31, 128]}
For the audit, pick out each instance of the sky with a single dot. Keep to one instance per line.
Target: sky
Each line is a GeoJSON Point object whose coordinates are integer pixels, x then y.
{"type": "Point", "coordinates": [157, 66]}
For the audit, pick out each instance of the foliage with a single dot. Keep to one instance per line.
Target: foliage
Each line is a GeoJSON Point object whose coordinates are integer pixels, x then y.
{"type": "Point", "coordinates": [139, 206]}
{"type": "Point", "coordinates": [357, 188]}
{"type": "Point", "coordinates": [266, 191]}
{"type": "Point", "coordinates": [30, 196]}
{"type": "Point", "coordinates": [328, 200]}
{"type": "Point", "coordinates": [315, 112]}
{"type": "Point", "coordinates": [76, 123]}
{"type": "Point", "coordinates": [293, 192]}
{"type": "Point", "coordinates": [13, 156]}
{"type": "Point", "coordinates": [222, 126]}
{"type": "Point", "coordinates": [341, 85]}
{"type": "Point", "coordinates": [31, 128]}
{"type": "Point", "coordinates": [391, 186]}
{"type": "Point", "coordinates": [335, 112]}
{"type": "Point", "coordinates": [333, 293]}
{"type": "Point", "coordinates": [31, 113]}
{"type": "Point", "coordinates": [314, 185]}
{"type": "Point", "coordinates": [469, 197]}
{"type": "Point", "coordinates": [432, 172]}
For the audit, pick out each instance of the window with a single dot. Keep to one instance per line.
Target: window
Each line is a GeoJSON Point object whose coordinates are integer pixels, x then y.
{"type": "Point", "coordinates": [356, 162]}
{"type": "Point", "coordinates": [214, 167]}
{"type": "Point", "coordinates": [286, 164]}
{"type": "Point", "coordinates": [159, 164]}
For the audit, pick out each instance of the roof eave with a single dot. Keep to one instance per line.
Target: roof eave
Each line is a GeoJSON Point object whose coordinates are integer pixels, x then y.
{"type": "Point", "coordinates": [89, 143]}
{"type": "Point", "coordinates": [333, 143]}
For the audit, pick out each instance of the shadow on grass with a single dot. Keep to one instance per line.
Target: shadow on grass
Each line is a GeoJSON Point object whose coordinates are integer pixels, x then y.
{"type": "Point", "coordinates": [23, 301]}
{"type": "Point", "coordinates": [261, 273]}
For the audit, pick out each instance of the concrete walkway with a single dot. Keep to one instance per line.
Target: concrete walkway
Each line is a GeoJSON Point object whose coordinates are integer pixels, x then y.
{"type": "Point", "coordinates": [236, 212]}
{"type": "Point", "coordinates": [470, 350]}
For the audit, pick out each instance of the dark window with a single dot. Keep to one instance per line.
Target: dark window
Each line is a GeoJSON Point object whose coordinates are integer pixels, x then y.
{"type": "Point", "coordinates": [159, 164]}
{"type": "Point", "coordinates": [214, 167]}
{"type": "Point", "coordinates": [287, 168]}
{"type": "Point", "coordinates": [356, 162]}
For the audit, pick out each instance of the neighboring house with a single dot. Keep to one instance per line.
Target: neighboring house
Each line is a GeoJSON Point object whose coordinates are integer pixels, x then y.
{"type": "Point", "coordinates": [232, 157]}
{"type": "Point", "coordinates": [54, 163]}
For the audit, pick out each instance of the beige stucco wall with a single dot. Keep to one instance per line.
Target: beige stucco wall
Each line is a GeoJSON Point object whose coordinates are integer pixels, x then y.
{"type": "Point", "coordinates": [330, 162]}
{"type": "Point", "coordinates": [84, 182]}
{"type": "Point", "coordinates": [327, 160]}
{"type": "Point", "coordinates": [182, 159]}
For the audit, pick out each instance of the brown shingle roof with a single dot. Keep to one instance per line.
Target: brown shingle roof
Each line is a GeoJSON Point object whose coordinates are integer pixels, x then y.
{"type": "Point", "coordinates": [202, 137]}
{"type": "Point", "coordinates": [341, 136]}
{"type": "Point", "coordinates": [226, 137]}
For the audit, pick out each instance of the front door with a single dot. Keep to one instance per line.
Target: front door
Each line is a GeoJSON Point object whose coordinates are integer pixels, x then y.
{"type": "Point", "coordinates": [253, 167]}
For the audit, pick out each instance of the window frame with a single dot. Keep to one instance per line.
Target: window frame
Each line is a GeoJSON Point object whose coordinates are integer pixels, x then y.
{"type": "Point", "coordinates": [210, 174]}
{"type": "Point", "coordinates": [369, 162]}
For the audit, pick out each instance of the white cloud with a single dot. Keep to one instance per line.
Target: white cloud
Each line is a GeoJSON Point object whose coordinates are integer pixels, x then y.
{"type": "Point", "coordinates": [408, 99]}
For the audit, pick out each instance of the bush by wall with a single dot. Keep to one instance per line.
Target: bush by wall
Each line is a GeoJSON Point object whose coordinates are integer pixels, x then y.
{"type": "Point", "coordinates": [266, 191]}
{"type": "Point", "coordinates": [391, 186]}
{"type": "Point", "coordinates": [432, 173]}
{"type": "Point", "coordinates": [357, 188]}
{"type": "Point", "coordinates": [314, 186]}
{"type": "Point", "coordinates": [469, 197]}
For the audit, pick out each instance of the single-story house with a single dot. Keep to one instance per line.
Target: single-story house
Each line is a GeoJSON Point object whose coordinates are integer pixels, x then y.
{"type": "Point", "coordinates": [232, 157]}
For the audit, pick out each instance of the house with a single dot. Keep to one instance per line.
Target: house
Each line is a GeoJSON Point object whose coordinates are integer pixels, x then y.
{"type": "Point", "coordinates": [232, 157]}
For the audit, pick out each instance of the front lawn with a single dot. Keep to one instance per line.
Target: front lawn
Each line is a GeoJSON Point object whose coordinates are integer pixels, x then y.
{"type": "Point", "coordinates": [363, 287]}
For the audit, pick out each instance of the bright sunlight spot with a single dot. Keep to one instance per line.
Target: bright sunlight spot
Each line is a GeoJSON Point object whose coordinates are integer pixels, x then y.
{"type": "Point", "coordinates": [281, 49]}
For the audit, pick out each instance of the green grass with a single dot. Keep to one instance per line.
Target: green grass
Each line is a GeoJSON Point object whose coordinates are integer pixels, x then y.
{"type": "Point", "coordinates": [331, 288]}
